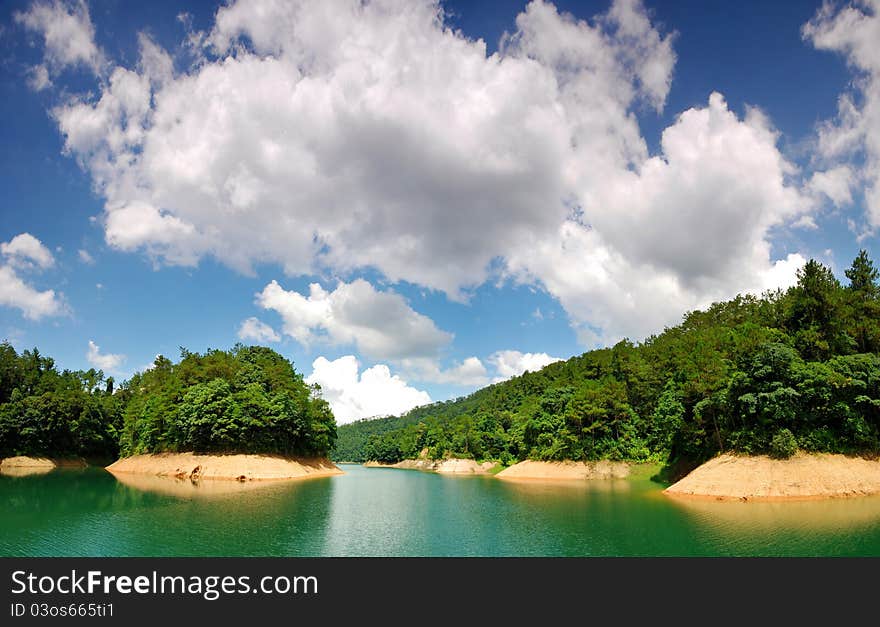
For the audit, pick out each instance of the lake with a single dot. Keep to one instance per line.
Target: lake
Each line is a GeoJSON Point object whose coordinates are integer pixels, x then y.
{"type": "Point", "coordinates": [386, 512]}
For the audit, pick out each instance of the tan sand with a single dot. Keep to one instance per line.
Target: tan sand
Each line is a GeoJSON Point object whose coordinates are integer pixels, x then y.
{"type": "Point", "coordinates": [196, 467]}
{"type": "Point", "coordinates": [22, 466]}
{"type": "Point", "coordinates": [804, 476]}
{"type": "Point", "coordinates": [444, 466]}
{"type": "Point", "coordinates": [566, 470]}
{"type": "Point", "coordinates": [27, 462]}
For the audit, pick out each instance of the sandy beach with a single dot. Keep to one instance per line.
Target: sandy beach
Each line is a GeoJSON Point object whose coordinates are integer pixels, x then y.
{"type": "Point", "coordinates": [566, 470]}
{"type": "Point", "coordinates": [21, 465]}
{"type": "Point", "coordinates": [804, 476]}
{"type": "Point", "coordinates": [444, 466]}
{"type": "Point", "coordinates": [197, 467]}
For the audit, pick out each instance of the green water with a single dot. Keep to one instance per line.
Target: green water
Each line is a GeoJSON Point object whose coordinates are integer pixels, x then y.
{"type": "Point", "coordinates": [383, 512]}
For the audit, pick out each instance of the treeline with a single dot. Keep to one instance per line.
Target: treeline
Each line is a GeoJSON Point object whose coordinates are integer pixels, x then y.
{"type": "Point", "coordinates": [245, 400]}
{"type": "Point", "coordinates": [44, 412]}
{"type": "Point", "coordinates": [793, 369]}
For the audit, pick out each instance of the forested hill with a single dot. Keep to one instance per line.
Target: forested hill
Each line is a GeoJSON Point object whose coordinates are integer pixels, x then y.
{"type": "Point", "coordinates": [245, 400]}
{"type": "Point", "coordinates": [791, 369]}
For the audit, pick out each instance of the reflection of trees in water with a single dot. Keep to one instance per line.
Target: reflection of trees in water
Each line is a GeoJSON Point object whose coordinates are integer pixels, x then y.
{"type": "Point", "coordinates": [89, 512]}
{"type": "Point", "coordinates": [278, 518]}
{"type": "Point", "coordinates": [60, 491]}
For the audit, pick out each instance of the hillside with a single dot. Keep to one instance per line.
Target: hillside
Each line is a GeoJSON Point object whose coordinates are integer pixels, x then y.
{"type": "Point", "coordinates": [794, 369]}
{"type": "Point", "coordinates": [245, 400]}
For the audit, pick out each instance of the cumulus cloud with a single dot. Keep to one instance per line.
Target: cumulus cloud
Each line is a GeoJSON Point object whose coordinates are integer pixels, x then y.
{"type": "Point", "coordinates": [512, 363]}
{"type": "Point", "coordinates": [853, 30]}
{"type": "Point", "coordinates": [351, 135]}
{"type": "Point", "coordinates": [380, 324]}
{"type": "Point", "coordinates": [835, 184]}
{"type": "Point", "coordinates": [470, 372]}
{"type": "Point", "coordinates": [34, 304]}
{"type": "Point", "coordinates": [373, 392]}
{"type": "Point", "coordinates": [255, 330]}
{"type": "Point", "coordinates": [103, 361]}
{"type": "Point", "coordinates": [68, 37]}
{"type": "Point", "coordinates": [25, 250]}
{"type": "Point", "coordinates": [689, 226]}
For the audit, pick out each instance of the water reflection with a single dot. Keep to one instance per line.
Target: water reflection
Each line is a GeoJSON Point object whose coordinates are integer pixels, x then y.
{"type": "Point", "coordinates": [823, 515]}
{"type": "Point", "coordinates": [398, 513]}
{"type": "Point", "coordinates": [186, 489]}
{"type": "Point", "coordinates": [91, 513]}
{"type": "Point", "coordinates": [24, 471]}
{"type": "Point", "coordinates": [556, 488]}
{"type": "Point", "coordinates": [223, 518]}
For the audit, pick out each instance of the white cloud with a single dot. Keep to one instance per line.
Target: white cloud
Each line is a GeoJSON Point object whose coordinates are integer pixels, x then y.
{"type": "Point", "coordinates": [468, 373]}
{"type": "Point", "coordinates": [512, 363]}
{"type": "Point", "coordinates": [85, 257]}
{"type": "Point", "coordinates": [854, 30]}
{"type": "Point", "coordinates": [106, 361]}
{"type": "Point", "coordinates": [380, 324]}
{"type": "Point", "coordinates": [782, 274]}
{"type": "Point", "coordinates": [68, 34]}
{"type": "Point", "coordinates": [373, 392]}
{"type": "Point", "coordinates": [34, 304]}
{"type": "Point", "coordinates": [25, 250]}
{"type": "Point", "coordinates": [350, 135]}
{"type": "Point", "coordinates": [688, 227]}
{"type": "Point", "coordinates": [258, 331]}
{"type": "Point", "coordinates": [836, 184]}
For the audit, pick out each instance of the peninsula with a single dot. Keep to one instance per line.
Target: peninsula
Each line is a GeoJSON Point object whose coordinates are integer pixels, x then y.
{"type": "Point", "coordinates": [243, 414]}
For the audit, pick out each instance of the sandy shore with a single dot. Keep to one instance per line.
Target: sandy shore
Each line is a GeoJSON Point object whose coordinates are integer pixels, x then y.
{"type": "Point", "coordinates": [566, 470]}
{"type": "Point", "coordinates": [196, 467]}
{"type": "Point", "coordinates": [444, 466]}
{"type": "Point", "coordinates": [21, 465]}
{"type": "Point", "coordinates": [804, 476]}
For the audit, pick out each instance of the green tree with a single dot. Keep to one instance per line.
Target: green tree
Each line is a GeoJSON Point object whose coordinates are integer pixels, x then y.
{"type": "Point", "coordinates": [864, 303]}
{"type": "Point", "coordinates": [815, 313]}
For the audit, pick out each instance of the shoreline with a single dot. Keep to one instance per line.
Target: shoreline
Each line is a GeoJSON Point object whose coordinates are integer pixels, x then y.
{"type": "Point", "coordinates": [234, 467]}
{"type": "Point", "coordinates": [804, 477]}
{"type": "Point", "coordinates": [23, 465]}
{"type": "Point", "coordinates": [568, 470]}
{"type": "Point", "coordinates": [441, 466]}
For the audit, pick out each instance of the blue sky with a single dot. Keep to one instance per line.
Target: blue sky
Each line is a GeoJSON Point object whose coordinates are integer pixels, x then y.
{"type": "Point", "coordinates": [471, 188]}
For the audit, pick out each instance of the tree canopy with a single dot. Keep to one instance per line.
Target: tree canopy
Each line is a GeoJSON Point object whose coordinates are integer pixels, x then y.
{"type": "Point", "coordinates": [245, 400]}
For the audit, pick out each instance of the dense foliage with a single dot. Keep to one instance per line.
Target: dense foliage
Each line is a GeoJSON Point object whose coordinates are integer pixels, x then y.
{"type": "Point", "coordinates": [791, 369]}
{"type": "Point", "coordinates": [47, 412]}
{"type": "Point", "coordinates": [247, 400]}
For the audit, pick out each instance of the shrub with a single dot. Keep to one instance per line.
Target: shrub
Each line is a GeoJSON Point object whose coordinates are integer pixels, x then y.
{"type": "Point", "coordinates": [783, 445]}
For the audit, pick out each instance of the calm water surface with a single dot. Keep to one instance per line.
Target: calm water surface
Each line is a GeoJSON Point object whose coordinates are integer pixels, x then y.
{"type": "Point", "coordinates": [383, 512]}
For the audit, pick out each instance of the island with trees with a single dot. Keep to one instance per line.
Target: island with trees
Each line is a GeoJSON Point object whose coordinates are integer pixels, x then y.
{"type": "Point", "coordinates": [239, 414]}
{"type": "Point", "coordinates": [767, 392]}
